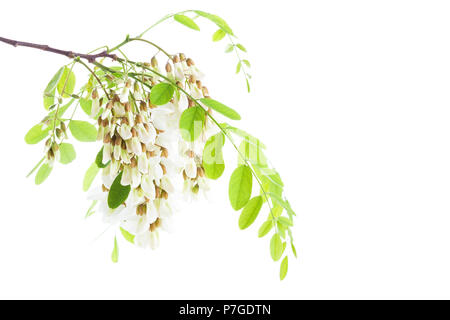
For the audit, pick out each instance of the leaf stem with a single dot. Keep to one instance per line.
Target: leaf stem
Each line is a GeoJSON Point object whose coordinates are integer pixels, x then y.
{"type": "Point", "coordinates": [95, 76]}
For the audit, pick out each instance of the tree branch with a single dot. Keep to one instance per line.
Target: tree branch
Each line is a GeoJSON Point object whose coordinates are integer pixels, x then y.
{"type": "Point", "coordinates": [70, 54]}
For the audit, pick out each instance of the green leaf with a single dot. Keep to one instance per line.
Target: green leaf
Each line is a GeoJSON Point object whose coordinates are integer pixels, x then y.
{"type": "Point", "coordinates": [284, 268]}
{"type": "Point", "coordinates": [215, 19]}
{"type": "Point", "coordinates": [285, 221]}
{"type": "Point", "coordinates": [83, 131]}
{"type": "Point", "coordinates": [49, 92]}
{"type": "Point", "coordinates": [265, 228]}
{"type": "Point", "coordinates": [276, 198]}
{"type": "Point", "coordinates": [240, 187]}
{"type": "Point", "coordinates": [241, 47]}
{"type": "Point", "coordinates": [191, 123]}
{"type": "Point", "coordinates": [89, 176]}
{"type": "Point", "coordinates": [162, 93]}
{"type": "Point", "coordinates": [118, 193]}
{"type": "Point", "coordinates": [128, 236]}
{"type": "Point", "coordinates": [99, 160]}
{"type": "Point", "coordinates": [248, 85]}
{"type": "Point", "coordinates": [90, 211]}
{"type": "Point", "coordinates": [247, 63]}
{"type": "Point", "coordinates": [115, 252]}
{"type": "Point", "coordinates": [294, 251]}
{"type": "Point", "coordinates": [276, 247]}
{"type": "Point", "coordinates": [43, 173]}
{"type": "Point", "coordinates": [238, 67]}
{"type": "Point", "coordinates": [221, 108]}
{"type": "Point", "coordinates": [218, 35]}
{"type": "Point", "coordinates": [66, 83]}
{"type": "Point", "coordinates": [185, 20]}
{"type": "Point", "coordinates": [67, 153]}
{"type": "Point", "coordinates": [250, 212]}
{"type": "Point", "coordinates": [229, 48]}
{"type": "Point", "coordinates": [49, 100]}
{"type": "Point", "coordinates": [212, 158]}
{"type": "Point", "coordinates": [37, 134]}
{"type": "Point", "coordinates": [86, 105]}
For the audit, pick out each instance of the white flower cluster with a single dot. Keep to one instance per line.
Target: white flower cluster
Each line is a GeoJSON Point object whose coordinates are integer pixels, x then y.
{"type": "Point", "coordinates": [143, 144]}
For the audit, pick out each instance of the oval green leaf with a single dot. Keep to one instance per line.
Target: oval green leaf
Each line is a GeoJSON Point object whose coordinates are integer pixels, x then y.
{"type": "Point", "coordinates": [86, 105]}
{"type": "Point", "coordinates": [43, 173]}
{"type": "Point", "coordinates": [66, 83]}
{"type": "Point", "coordinates": [217, 20]}
{"type": "Point", "coordinates": [185, 20]}
{"type": "Point", "coordinates": [212, 158]}
{"type": "Point", "coordinates": [241, 47]}
{"type": "Point", "coordinates": [89, 176]}
{"type": "Point", "coordinates": [284, 268]}
{"type": "Point", "coordinates": [83, 131]}
{"type": "Point", "coordinates": [128, 236]}
{"type": "Point", "coordinates": [276, 247]}
{"type": "Point", "coordinates": [265, 228]}
{"type": "Point", "coordinates": [240, 187]}
{"type": "Point", "coordinates": [221, 108]}
{"type": "Point", "coordinates": [118, 193]}
{"type": "Point", "coordinates": [49, 92]}
{"type": "Point", "coordinates": [67, 153]}
{"type": "Point", "coordinates": [191, 123]}
{"type": "Point", "coordinates": [250, 212]}
{"type": "Point", "coordinates": [115, 252]}
{"type": "Point", "coordinates": [36, 134]}
{"type": "Point", "coordinates": [218, 35]}
{"type": "Point", "coordinates": [162, 93]}
{"type": "Point", "coordinates": [294, 250]}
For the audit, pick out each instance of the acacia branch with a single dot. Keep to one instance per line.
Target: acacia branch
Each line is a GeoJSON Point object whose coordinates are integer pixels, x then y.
{"type": "Point", "coordinates": [70, 54]}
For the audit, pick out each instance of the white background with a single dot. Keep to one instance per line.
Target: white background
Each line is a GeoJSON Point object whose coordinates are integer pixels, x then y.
{"type": "Point", "coordinates": [352, 100]}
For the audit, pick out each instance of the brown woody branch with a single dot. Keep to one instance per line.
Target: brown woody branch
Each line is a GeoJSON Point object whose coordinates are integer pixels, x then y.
{"type": "Point", "coordinates": [70, 54]}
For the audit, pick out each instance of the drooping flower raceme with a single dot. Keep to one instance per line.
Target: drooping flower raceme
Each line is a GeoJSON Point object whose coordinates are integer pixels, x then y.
{"type": "Point", "coordinates": [161, 142]}
{"type": "Point", "coordinates": [144, 153]}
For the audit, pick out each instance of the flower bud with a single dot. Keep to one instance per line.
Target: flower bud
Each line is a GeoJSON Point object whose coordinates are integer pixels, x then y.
{"type": "Point", "coordinates": [175, 59]}
{"type": "Point", "coordinates": [168, 67]}
{"type": "Point", "coordinates": [107, 139]}
{"type": "Point", "coordinates": [190, 62]}
{"type": "Point", "coordinates": [95, 94]}
{"type": "Point", "coordinates": [200, 172]}
{"type": "Point", "coordinates": [58, 133]}
{"type": "Point", "coordinates": [154, 62]}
